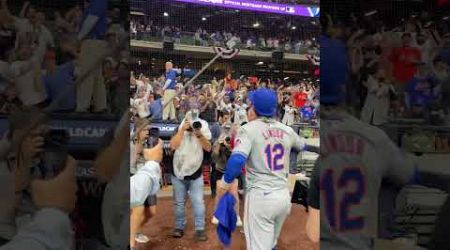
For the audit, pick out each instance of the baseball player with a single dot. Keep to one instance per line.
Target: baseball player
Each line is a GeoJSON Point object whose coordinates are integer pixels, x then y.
{"type": "Point", "coordinates": [354, 158]}
{"type": "Point", "coordinates": [264, 145]}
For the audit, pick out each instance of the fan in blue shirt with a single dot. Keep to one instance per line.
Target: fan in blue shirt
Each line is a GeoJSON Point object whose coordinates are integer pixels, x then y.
{"type": "Point", "coordinates": [156, 108]}
{"type": "Point", "coordinates": [60, 81]}
{"type": "Point", "coordinates": [95, 24]}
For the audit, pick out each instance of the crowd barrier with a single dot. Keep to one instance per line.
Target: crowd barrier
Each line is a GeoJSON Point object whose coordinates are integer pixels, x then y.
{"type": "Point", "coordinates": [415, 208]}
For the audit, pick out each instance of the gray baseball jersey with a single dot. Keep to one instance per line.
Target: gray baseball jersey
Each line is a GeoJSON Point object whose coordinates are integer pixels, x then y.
{"type": "Point", "coordinates": [267, 144]}
{"type": "Point", "coordinates": [355, 157]}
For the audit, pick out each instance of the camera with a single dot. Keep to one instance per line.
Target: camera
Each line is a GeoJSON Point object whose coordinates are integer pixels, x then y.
{"type": "Point", "coordinates": [153, 138]}
{"type": "Point", "coordinates": [228, 139]}
{"type": "Point", "coordinates": [197, 125]}
{"type": "Point", "coordinates": [53, 159]}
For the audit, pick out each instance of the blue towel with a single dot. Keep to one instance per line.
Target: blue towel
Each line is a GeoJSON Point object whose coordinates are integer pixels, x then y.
{"type": "Point", "coordinates": [226, 215]}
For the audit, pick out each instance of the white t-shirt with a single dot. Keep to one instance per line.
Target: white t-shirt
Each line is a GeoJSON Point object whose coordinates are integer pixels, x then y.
{"type": "Point", "coordinates": [225, 107]}
{"type": "Point", "coordinates": [28, 75]}
{"type": "Point", "coordinates": [28, 83]}
{"type": "Point", "coordinates": [142, 107]}
{"type": "Point", "coordinates": [240, 113]}
{"type": "Point", "coordinates": [188, 157]}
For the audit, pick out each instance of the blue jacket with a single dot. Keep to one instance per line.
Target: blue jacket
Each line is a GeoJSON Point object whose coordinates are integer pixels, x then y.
{"type": "Point", "coordinates": [227, 217]}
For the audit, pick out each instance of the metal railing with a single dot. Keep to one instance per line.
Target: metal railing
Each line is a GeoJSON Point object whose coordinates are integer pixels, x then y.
{"type": "Point", "coordinates": [187, 38]}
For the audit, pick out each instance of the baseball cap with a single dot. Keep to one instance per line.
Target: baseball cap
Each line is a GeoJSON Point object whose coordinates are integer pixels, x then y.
{"type": "Point", "coordinates": [334, 71]}
{"type": "Point", "coordinates": [264, 101]}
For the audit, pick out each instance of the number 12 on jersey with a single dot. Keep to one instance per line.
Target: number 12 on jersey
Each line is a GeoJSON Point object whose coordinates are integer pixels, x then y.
{"type": "Point", "coordinates": [337, 210]}
{"type": "Point", "coordinates": [275, 156]}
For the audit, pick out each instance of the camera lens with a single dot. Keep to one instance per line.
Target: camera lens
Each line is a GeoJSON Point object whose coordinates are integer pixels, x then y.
{"type": "Point", "coordinates": [227, 139]}
{"type": "Point", "coordinates": [197, 125]}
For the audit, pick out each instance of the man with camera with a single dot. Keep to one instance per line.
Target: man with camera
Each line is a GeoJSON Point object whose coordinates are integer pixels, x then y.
{"type": "Point", "coordinates": [189, 143]}
{"type": "Point", "coordinates": [38, 185]}
{"type": "Point", "coordinates": [220, 154]}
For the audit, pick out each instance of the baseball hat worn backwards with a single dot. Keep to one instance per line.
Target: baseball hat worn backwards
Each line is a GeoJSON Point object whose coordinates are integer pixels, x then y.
{"type": "Point", "coordinates": [264, 102]}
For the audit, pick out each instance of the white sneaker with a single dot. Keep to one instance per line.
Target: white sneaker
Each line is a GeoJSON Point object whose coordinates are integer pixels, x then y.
{"type": "Point", "coordinates": [239, 222]}
{"type": "Point", "coordinates": [141, 238]}
{"type": "Point", "coordinates": [214, 220]}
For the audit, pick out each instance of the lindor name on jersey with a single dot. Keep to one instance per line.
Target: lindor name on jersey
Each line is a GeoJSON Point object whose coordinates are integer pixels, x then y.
{"type": "Point", "coordinates": [273, 133]}
{"type": "Point", "coordinates": [339, 143]}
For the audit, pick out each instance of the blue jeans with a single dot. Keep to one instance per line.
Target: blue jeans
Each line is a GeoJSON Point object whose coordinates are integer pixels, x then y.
{"type": "Point", "coordinates": [195, 188]}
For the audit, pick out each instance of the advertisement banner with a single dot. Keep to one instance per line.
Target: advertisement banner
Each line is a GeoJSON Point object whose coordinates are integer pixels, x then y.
{"type": "Point", "coordinates": [285, 9]}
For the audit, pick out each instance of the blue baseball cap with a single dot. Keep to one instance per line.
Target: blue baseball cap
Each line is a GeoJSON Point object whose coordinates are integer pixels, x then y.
{"type": "Point", "coordinates": [334, 71]}
{"type": "Point", "coordinates": [264, 102]}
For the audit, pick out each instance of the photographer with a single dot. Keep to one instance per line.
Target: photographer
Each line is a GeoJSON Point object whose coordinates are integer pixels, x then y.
{"type": "Point", "coordinates": [36, 186]}
{"type": "Point", "coordinates": [140, 213]}
{"type": "Point", "coordinates": [189, 143]}
{"type": "Point", "coordinates": [220, 154]}
{"type": "Point", "coordinates": [224, 118]}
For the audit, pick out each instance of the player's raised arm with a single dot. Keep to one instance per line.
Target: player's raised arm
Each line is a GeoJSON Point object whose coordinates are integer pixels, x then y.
{"type": "Point", "coordinates": [301, 145]}
{"type": "Point", "coordinates": [402, 170]}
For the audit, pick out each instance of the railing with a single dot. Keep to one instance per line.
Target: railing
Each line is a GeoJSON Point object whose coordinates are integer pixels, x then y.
{"type": "Point", "coordinates": [187, 38]}
{"type": "Point", "coordinates": [304, 162]}
{"type": "Point", "coordinates": [417, 206]}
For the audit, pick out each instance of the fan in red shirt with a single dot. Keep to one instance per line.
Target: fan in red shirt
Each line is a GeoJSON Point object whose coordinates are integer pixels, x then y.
{"type": "Point", "coordinates": [230, 83]}
{"type": "Point", "coordinates": [405, 60]}
{"type": "Point", "coordinates": [300, 98]}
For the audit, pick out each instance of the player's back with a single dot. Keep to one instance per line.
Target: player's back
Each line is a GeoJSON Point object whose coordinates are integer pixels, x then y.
{"type": "Point", "coordinates": [269, 143]}
{"type": "Point", "coordinates": [355, 157]}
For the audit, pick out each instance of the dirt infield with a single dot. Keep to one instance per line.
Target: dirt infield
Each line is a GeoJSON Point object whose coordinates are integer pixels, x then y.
{"type": "Point", "coordinates": [159, 229]}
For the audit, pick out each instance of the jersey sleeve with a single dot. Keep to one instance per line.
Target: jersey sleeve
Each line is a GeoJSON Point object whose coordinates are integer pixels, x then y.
{"type": "Point", "coordinates": [314, 188]}
{"type": "Point", "coordinates": [242, 143]}
{"type": "Point", "coordinates": [299, 142]}
{"type": "Point", "coordinates": [400, 168]}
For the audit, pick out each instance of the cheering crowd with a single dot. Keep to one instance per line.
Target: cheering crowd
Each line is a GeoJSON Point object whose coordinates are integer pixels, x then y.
{"type": "Point", "coordinates": [399, 70]}
{"type": "Point", "coordinates": [49, 58]}
{"type": "Point", "coordinates": [61, 61]}
{"type": "Point", "coordinates": [298, 102]}
{"type": "Point", "coordinates": [213, 112]}
{"type": "Point", "coordinates": [282, 41]}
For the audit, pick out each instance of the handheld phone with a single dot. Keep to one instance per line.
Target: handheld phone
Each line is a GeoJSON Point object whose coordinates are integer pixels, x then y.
{"type": "Point", "coordinates": [153, 137]}
{"type": "Point", "coordinates": [53, 159]}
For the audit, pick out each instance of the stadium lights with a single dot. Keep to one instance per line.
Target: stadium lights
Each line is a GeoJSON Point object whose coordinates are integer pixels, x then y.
{"type": "Point", "coordinates": [293, 27]}
{"type": "Point", "coordinates": [286, 78]}
{"type": "Point", "coordinates": [203, 18]}
{"type": "Point", "coordinates": [445, 18]}
{"type": "Point", "coordinates": [313, 22]}
{"type": "Point", "coordinates": [166, 14]}
{"type": "Point", "coordinates": [255, 25]}
{"type": "Point", "coordinates": [260, 63]}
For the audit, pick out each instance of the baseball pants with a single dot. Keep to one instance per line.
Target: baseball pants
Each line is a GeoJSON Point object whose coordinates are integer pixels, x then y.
{"type": "Point", "coordinates": [264, 215]}
{"type": "Point", "coordinates": [169, 110]}
{"type": "Point", "coordinates": [92, 88]}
